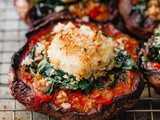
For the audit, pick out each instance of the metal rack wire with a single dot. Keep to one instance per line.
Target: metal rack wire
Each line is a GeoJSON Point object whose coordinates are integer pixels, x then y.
{"type": "Point", "coordinates": [12, 37]}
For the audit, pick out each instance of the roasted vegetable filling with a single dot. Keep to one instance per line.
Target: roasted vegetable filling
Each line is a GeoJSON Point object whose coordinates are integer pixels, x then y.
{"type": "Point", "coordinates": [146, 9]}
{"type": "Point", "coordinates": [87, 87]}
{"type": "Point", "coordinates": [151, 59]}
{"type": "Point", "coordinates": [85, 9]}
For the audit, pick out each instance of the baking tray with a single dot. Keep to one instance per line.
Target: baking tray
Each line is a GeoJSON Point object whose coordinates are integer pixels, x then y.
{"type": "Point", "coordinates": [12, 37]}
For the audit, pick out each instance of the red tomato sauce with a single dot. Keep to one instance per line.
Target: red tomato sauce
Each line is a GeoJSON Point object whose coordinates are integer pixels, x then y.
{"type": "Point", "coordinates": [86, 102]}
{"type": "Point", "coordinates": [34, 39]}
{"type": "Point", "coordinates": [39, 99]}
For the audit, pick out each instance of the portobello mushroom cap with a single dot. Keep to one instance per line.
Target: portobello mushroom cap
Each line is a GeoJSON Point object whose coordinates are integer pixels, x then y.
{"type": "Point", "coordinates": [151, 75]}
{"type": "Point", "coordinates": [131, 21]}
{"type": "Point", "coordinates": [29, 11]}
{"type": "Point", "coordinates": [24, 95]}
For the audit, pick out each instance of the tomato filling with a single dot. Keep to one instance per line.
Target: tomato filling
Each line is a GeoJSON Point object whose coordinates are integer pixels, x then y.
{"type": "Point", "coordinates": [87, 102]}
{"type": "Point", "coordinates": [39, 99]}
{"type": "Point", "coordinates": [94, 13]}
{"type": "Point", "coordinates": [97, 10]}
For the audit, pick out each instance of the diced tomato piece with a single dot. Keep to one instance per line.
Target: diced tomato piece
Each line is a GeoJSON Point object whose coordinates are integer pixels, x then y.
{"type": "Point", "coordinates": [54, 96]}
{"type": "Point", "coordinates": [152, 65]}
{"type": "Point", "coordinates": [131, 75]}
{"type": "Point", "coordinates": [94, 13]}
{"type": "Point", "coordinates": [29, 78]}
{"type": "Point", "coordinates": [39, 99]}
{"type": "Point", "coordinates": [77, 100]}
{"type": "Point", "coordinates": [33, 41]}
{"type": "Point", "coordinates": [103, 97]}
{"type": "Point", "coordinates": [110, 30]}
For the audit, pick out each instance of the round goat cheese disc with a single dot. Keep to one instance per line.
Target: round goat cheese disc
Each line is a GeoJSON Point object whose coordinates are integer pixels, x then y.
{"type": "Point", "coordinates": [80, 51]}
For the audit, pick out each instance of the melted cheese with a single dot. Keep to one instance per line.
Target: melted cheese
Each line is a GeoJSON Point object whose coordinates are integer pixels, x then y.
{"type": "Point", "coordinates": [80, 51]}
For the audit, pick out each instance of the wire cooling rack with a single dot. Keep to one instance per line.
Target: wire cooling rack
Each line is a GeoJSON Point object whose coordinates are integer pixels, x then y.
{"type": "Point", "coordinates": [12, 37]}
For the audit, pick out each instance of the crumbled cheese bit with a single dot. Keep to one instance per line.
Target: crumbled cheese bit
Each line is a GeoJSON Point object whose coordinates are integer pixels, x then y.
{"type": "Point", "coordinates": [62, 94]}
{"type": "Point", "coordinates": [66, 105]}
{"type": "Point", "coordinates": [68, 26]}
{"type": "Point", "coordinates": [27, 61]}
{"type": "Point", "coordinates": [121, 42]}
{"type": "Point", "coordinates": [41, 5]}
{"type": "Point", "coordinates": [63, 27]}
{"type": "Point", "coordinates": [52, 72]}
{"type": "Point", "coordinates": [48, 83]}
{"type": "Point", "coordinates": [89, 105]}
{"type": "Point", "coordinates": [71, 8]}
{"type": "Point", "coordinates": [37, 58]}
{"type": "Point", "coordinates": [41, 84]}
{"type": "Point", "coordinates": [157, 40]}
{"type": "Point", "coordinates": [85, 18]}
{"type": "Point", "coordinates": [62, 97]}
{"type": "Point", "coordinates": [58, 8]}
{"type": "Point", "coordinates": [87, 31]}
{"type": "Point", "coordinates": [39, 48]}
{"type": "Point", "coordinates": [72, 83]}
{"type": "Point", "coordinates": [58, 28]}
{"type": "Point", "coordinates": [66, 76]}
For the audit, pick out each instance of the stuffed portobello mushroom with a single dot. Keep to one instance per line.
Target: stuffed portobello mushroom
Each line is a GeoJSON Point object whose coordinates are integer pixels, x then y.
{"type": "Point", "coordinates": [96, 10]}
{"type": "Point", "coordinates": [140, 16]}
{"type": "Point", "coordinates": [150, 61]}
{"type": "Point", "coordinates": [72, 70]}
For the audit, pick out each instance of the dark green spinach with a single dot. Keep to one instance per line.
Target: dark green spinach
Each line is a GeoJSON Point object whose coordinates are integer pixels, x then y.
{"type": "Point", "coordinates": [124, 61]}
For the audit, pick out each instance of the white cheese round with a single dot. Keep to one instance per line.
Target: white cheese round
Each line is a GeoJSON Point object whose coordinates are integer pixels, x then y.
{"type": "Point", "coordinates": [81, 51]}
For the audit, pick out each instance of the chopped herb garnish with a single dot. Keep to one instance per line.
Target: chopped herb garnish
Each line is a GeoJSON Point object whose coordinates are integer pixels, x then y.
{"type": "Point", "coordinates": [50, 90]}
{"type": "Point", "coordinates": [123, 61]}
{"type": "Point", "coordinates": [145, 59]}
